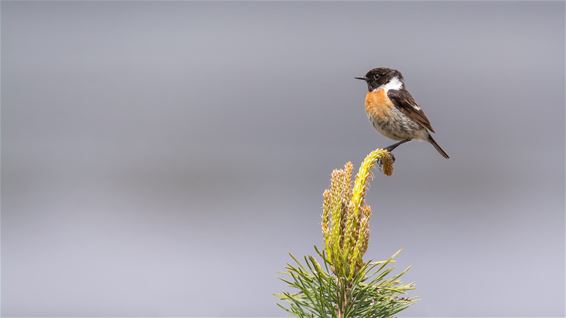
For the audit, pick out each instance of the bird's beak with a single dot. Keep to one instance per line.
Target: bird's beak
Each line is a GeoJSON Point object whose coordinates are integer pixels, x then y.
{"type": "Point", "coordinates": [361, 78]}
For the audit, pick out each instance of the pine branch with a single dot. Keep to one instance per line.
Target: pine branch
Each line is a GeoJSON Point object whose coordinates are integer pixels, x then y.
{"type": "Point", "coordinates": [339, 284]}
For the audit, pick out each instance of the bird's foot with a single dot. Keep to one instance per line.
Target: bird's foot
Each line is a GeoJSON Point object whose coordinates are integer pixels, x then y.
{"type": "Point", "coordinates": [392, 156]}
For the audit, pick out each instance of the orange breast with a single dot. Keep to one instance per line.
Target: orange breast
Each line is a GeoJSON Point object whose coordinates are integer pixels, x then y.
{"type": "Point", "coordinates": [378, 103]}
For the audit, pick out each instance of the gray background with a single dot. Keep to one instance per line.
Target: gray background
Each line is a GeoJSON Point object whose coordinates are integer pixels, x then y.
{"type": "Point", "coordinates": [162, 158]}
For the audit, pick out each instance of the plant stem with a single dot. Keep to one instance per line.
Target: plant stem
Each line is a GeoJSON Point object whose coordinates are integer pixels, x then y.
{"type": "Point", "coordinates": [344, 290]}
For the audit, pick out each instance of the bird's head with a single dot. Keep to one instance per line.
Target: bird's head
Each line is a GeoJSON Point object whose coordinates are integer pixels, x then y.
{"type": "Point", "coordinates": [383, 76]}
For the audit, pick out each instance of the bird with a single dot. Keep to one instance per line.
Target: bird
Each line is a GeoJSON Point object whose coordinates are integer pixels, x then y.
{"type": "Point", "coordinates": [393, 111]}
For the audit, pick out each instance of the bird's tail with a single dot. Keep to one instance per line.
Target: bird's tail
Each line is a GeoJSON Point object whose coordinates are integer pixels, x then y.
{"type": "Point", "coordinates": [437, 147]}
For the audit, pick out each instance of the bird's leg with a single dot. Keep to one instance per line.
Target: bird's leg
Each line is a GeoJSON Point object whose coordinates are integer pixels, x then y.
{"type": "Point", "coordinates": [395, 145]}
{"type": "Point", "coordinates": [392, 147]}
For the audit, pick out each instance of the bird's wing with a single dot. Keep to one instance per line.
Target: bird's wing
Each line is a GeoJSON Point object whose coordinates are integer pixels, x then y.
{"type": "Point", "coordinates": [403, 100]}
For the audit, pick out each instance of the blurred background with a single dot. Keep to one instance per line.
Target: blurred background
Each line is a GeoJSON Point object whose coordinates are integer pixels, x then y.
{"type": "Point", "coordinates": [162, 158]}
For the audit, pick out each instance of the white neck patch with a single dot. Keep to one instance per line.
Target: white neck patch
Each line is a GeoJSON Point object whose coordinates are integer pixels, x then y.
{"type": "Point", "coordinates": [393, 84]}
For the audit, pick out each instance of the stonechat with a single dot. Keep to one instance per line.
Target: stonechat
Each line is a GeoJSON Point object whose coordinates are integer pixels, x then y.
{"type": "Point", "coordinates": [393, 111]}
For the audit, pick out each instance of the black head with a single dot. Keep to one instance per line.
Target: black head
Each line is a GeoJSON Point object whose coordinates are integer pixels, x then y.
{"type": "Point", "coordinates": [380, 76]}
